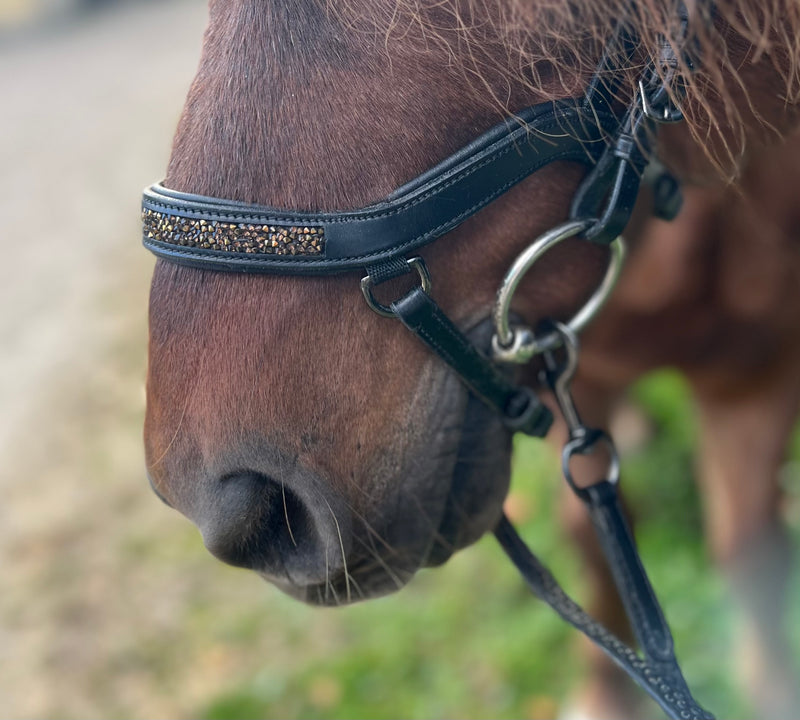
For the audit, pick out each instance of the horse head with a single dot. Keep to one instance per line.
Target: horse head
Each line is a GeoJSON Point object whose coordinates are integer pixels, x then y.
{"type": "Point", "coordinates": [308, 438]}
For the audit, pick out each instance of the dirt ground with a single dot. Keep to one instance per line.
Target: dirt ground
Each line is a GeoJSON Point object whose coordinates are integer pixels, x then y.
{"type": "Point", "coordinates": [86, 629]}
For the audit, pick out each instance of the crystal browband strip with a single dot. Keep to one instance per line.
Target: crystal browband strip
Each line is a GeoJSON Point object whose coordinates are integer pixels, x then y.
{"type": "Point", "coordinates": [232, 237]}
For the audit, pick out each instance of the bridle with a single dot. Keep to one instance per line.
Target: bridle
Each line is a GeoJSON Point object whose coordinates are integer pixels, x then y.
{"type": "Point", "coordinates": [616, 146]}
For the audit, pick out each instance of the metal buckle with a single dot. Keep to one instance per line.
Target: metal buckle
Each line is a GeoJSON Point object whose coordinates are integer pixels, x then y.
{"type": "Point", "coordinates": [519, 344]}
{"type": "Point", "coordinates": [368, 282]}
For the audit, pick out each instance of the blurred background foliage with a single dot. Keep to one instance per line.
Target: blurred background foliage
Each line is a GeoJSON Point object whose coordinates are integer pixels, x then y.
{"type": "Point", "coordinates": [110, 607]}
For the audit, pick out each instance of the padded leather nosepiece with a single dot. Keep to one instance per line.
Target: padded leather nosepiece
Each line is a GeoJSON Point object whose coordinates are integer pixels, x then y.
{"type": "Point", "coordinates": [234, 236]}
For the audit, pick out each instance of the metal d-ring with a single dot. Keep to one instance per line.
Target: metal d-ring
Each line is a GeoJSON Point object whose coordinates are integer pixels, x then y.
{"type": "Point", "coordinates": [368, 282]}
{"type": "Point", "coordinates": [519, 344]}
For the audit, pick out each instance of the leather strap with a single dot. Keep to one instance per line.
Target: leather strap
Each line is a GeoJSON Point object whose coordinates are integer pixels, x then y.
{"type": "Point", "coordinates": [619, 548]}
{"type": "Point", "coordinates": [519, 407]}
{"type": "Point", "coordinates": [266, 240]}
{"type": "Point", "coordinates": [610, 190]}
{"type": "Point", "coordinates": [658, 674]}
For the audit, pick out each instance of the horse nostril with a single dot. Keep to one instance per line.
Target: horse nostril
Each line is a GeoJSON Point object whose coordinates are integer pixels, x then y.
{"type": "Point", "coordinates": [252, 520]}
{"type": "Point", "coordinates": [255, 520]}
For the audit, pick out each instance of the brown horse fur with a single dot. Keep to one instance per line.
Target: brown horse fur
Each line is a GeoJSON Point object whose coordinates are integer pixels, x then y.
{"type": "Point", "coordinates": [378, 461]}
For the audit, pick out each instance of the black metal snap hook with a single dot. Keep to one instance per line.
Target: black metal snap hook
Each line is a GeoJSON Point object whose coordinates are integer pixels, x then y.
{"type": "Point", "coordinates": [558, 374]}
{"type": "Point", "coordinates": [585, 444]}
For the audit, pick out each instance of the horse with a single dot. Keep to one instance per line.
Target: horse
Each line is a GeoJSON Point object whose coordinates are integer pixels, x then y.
{"type": "Point", "coordinates": [311, 440]}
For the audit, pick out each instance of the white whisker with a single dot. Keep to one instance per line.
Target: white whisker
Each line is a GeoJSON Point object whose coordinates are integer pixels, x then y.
{"type": "Point", "coordinates": [341, 546]}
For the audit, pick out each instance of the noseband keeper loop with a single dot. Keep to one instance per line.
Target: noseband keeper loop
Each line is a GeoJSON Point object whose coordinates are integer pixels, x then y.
{"type": "Point", "coordinates": [518, 344]}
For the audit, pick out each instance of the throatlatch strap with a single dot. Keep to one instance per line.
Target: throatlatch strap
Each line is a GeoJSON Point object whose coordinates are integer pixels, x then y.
{"type": "Point", "coordinates": [658, 672]}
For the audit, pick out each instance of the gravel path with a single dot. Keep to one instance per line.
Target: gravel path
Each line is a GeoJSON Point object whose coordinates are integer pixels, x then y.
{"type": "Point", "coordinates": [84, 126]}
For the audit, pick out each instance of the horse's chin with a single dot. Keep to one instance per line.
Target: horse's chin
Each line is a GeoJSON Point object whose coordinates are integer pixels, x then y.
{"type": "Point", "coordinates": [473, 474]}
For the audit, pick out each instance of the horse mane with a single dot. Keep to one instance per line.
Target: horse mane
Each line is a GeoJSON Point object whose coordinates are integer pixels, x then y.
{"type": "Point", "coordinates": [557, 43]}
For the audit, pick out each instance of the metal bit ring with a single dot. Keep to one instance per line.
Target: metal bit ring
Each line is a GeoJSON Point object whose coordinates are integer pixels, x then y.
{"type": "Point", "coordinates": [518, 344]}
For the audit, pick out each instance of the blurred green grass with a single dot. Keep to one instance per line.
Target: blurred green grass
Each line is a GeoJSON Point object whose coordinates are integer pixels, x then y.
{"type": "Point", "coordinates": [468, 641]}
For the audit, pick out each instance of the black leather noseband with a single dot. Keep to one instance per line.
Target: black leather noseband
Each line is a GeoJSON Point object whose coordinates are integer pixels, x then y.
{"type": "Point", "coordinates": [417, 213]}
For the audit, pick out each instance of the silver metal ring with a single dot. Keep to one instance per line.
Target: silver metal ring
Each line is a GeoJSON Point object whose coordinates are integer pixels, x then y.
{"type": "Point", "coordinates": [518, 344]}
{"type": "Point", "coordinates": [367, 283]}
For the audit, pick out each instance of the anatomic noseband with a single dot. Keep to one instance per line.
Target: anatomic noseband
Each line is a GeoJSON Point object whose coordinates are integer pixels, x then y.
{"type": "Point", "coordinates": [615, 145]}
{"type": "Point", "coordinates": [227, 235]}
